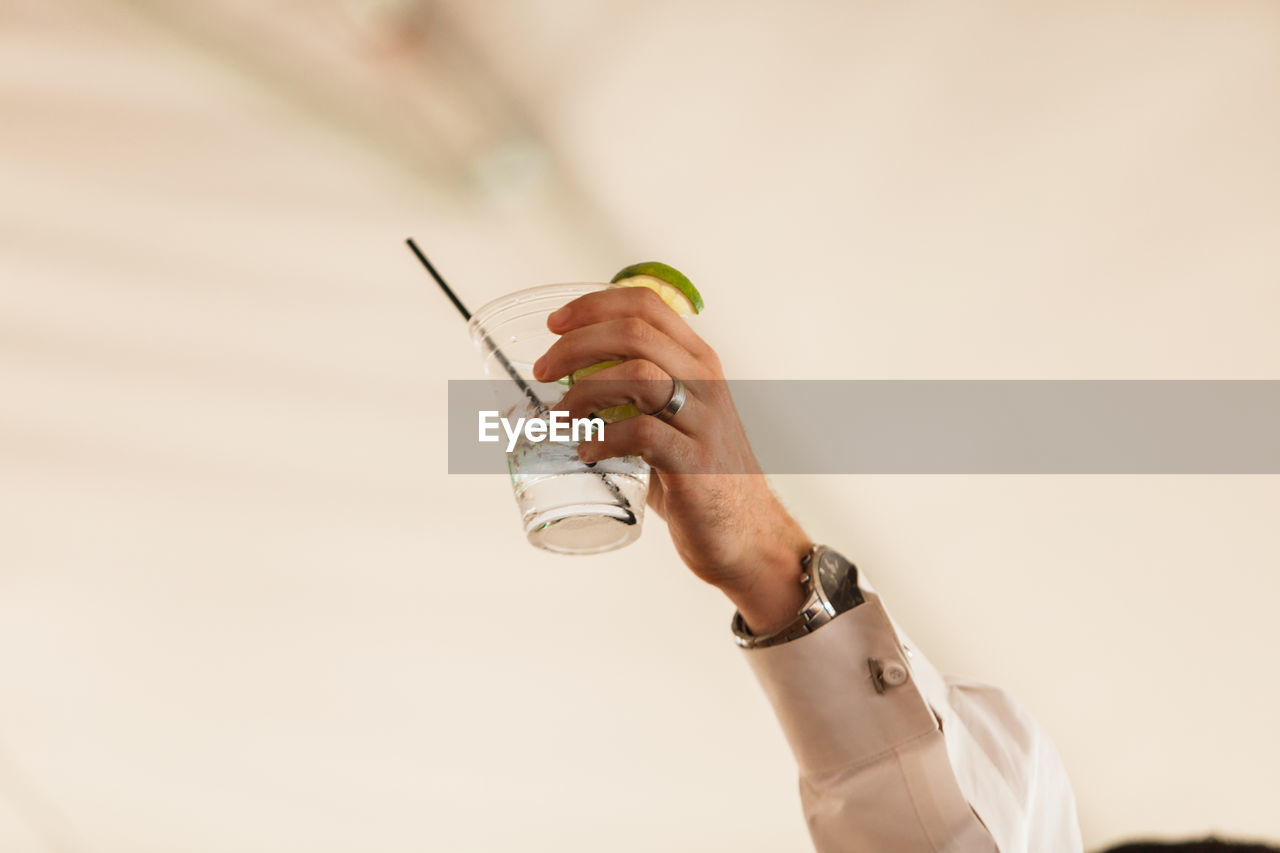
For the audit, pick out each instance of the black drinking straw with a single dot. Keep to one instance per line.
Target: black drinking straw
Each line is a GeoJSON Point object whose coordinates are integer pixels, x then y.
{"type": "Point", "coordinates": [466, 315]}
{"type": "Point", "coordinates": [511, 371]}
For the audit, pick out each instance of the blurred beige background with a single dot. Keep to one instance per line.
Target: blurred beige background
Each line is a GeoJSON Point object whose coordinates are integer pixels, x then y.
{"type": "Point", "coordinates": [244, 608]}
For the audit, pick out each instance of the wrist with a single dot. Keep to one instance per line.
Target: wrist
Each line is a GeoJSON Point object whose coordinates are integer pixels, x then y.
{"type": "Point", "coordinates": [769, 594]}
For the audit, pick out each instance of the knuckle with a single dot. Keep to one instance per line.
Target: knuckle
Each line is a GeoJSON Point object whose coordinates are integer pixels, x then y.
{"type": "Point", "coordinates": [712, 362]}
{"type": "Point", "coordinates": [650, 300]}
{"type": "Point", "coordinates": [636, 330]}
{"type": "Point", "coordinates": [646, 430]}
{"type": "Point", "coordinates": [643, 370]}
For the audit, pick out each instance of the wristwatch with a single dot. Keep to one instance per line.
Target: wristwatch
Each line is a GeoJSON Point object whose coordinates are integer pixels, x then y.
{"type": "Point", "coordinates": [831, 582]}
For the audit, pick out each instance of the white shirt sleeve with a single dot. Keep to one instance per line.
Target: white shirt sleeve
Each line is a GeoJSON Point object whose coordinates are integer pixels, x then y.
{"type": "Point", "coordinates": [893, 757]}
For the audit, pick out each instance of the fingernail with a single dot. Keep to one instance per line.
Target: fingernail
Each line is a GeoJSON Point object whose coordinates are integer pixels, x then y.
{"type": "Point", "coordinates": [558, 316]}
{"type": "Point", "coordinates": [539, 366]}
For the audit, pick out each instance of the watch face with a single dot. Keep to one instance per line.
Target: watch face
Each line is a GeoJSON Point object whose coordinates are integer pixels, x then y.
{"type": "Point", "coordinates": [838, 579]}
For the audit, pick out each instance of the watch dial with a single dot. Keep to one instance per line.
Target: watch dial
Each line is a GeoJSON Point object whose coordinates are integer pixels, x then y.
{"type": "Point", "coordinates": [838, 578]}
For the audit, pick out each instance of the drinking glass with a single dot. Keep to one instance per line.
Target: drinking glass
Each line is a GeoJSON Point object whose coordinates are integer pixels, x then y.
{"type": "Point", "coordinates": [566, 505]}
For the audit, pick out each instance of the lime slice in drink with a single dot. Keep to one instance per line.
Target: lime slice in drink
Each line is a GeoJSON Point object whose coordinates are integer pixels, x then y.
{"type": "Point", "coordinates": [675, 289]}
{"type": "Point", "coordinates": [594, 368]}
{"type": "Point", "coordinates": [613, 414]}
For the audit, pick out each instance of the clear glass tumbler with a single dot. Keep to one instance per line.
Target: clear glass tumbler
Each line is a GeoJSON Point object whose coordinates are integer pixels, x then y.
{"type": "Point", "coordinates": [567, 506]}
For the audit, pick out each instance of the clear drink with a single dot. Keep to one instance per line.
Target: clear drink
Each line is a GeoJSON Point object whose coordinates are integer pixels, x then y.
{"type": "Point", "coordinates": [566, 506]}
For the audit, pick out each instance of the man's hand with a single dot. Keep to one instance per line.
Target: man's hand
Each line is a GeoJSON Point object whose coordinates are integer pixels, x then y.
{"type": "Point", "coordinates": [725, 523]}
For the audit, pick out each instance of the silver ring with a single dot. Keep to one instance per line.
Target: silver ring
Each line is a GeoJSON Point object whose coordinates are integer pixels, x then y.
{"type": "Point", "coordinates": [675, 404]}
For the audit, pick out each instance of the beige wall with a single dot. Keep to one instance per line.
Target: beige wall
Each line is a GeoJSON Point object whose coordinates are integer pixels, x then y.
{"type": "Point", "coordinates": [244, 608]}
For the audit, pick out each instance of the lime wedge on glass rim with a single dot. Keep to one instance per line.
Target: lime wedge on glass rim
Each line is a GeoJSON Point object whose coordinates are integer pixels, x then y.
{"type": "Point", "coordinates": [675, 289]}
{"type": "Point", "coordinates": [668, 282]}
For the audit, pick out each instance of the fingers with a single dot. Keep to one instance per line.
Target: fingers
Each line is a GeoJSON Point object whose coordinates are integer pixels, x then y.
{"type": "Point", "coordinates": [663, 446]}
{"type": "Point", "coordinates": [619, 302]}
{"type": "Point", "coordinates": [616, 340]}
{"type": "Point", "coordinates": [639, 382]}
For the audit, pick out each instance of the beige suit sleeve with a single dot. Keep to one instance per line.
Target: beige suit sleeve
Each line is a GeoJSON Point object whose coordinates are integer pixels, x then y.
{"type": "Point", "coordinates": [893, 757]}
